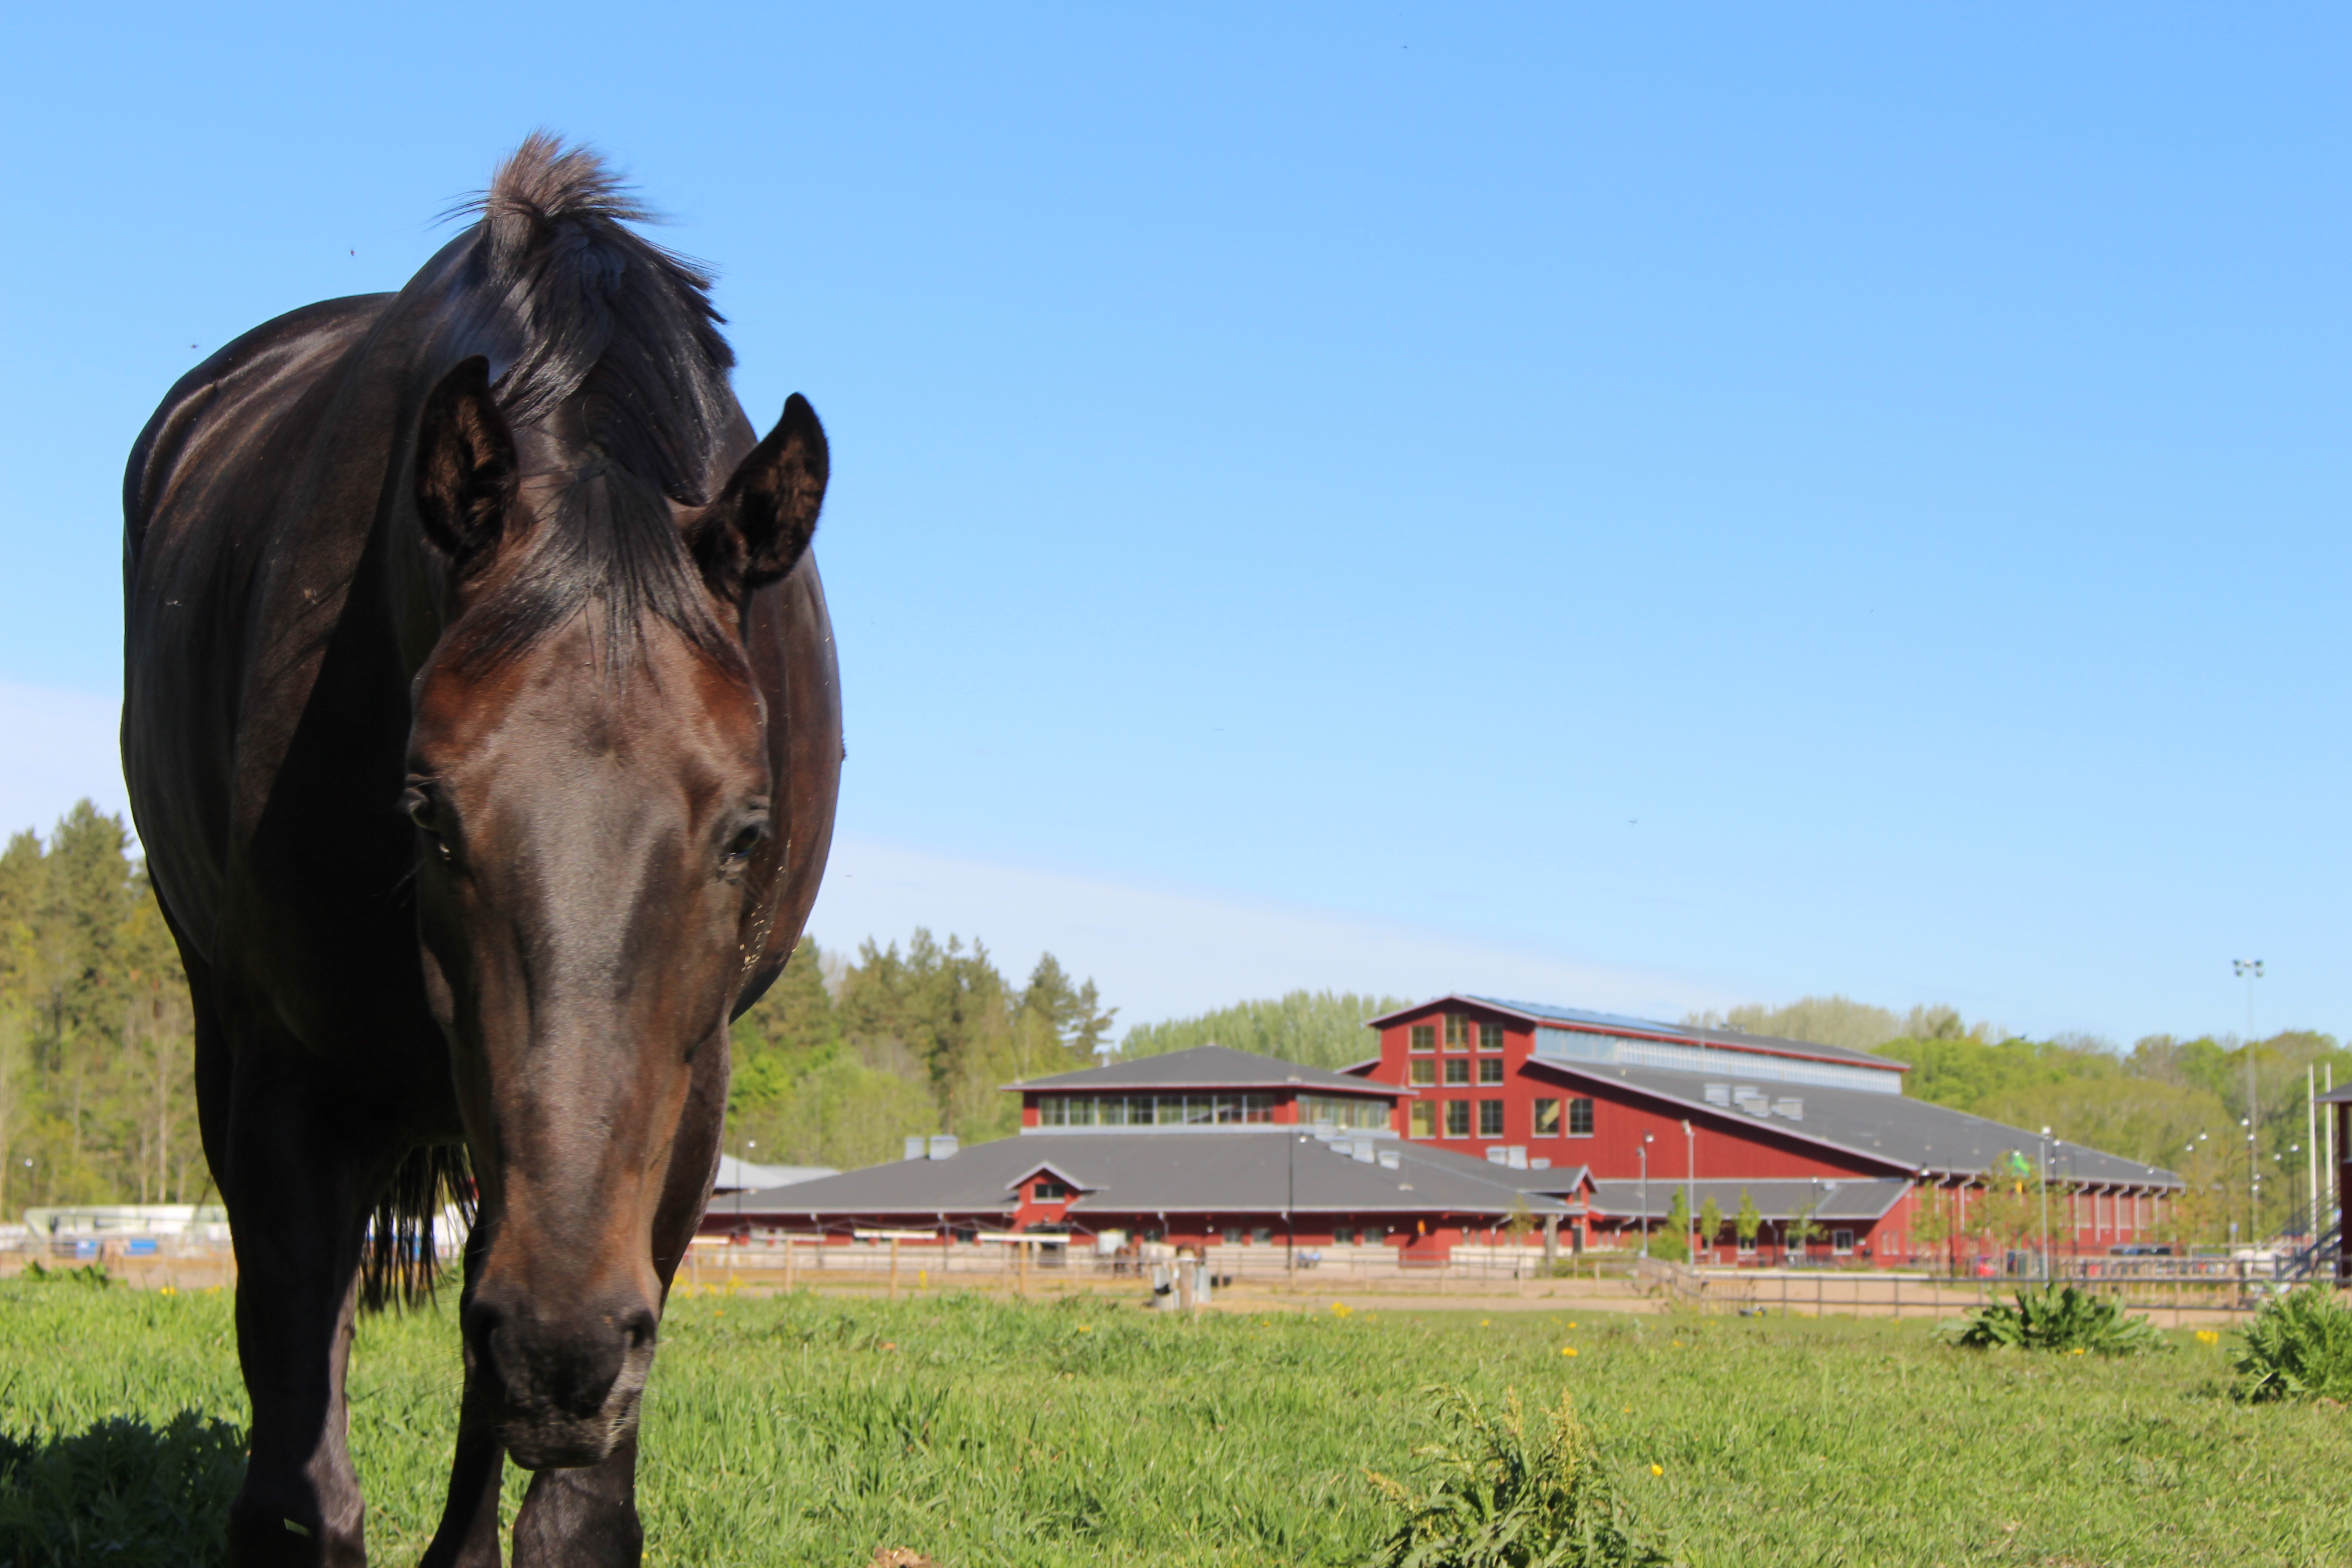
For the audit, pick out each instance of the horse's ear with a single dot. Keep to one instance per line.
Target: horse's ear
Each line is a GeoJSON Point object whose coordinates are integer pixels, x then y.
{"type": "Point", "coordinates": [465, 466]}
{"type": "Point", "coordinates": [756, 530]}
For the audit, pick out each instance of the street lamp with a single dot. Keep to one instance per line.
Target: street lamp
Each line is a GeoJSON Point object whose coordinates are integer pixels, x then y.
{"type": "Point", "coordinates": [1643, 1149]}
{"type": "Point", "coordinates": [1690, 1190]}
{"type": "Point", "coordinates": [2045, 1206]}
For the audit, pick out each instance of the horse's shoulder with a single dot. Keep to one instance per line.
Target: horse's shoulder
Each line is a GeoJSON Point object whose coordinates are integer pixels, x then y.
{"type": "Point", "coordinates": [275, 360]}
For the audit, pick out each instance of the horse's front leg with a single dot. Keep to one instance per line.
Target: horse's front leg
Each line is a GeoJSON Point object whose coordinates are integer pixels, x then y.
{"type": "Point", "coordinates": [296, 1186]}
{"type": "Point", "coordinates": [468, 1532]}
{"type": "Point", "coordinates": [589, 1516]}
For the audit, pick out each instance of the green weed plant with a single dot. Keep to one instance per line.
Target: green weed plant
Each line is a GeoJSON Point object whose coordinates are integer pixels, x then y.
{"type": "Point", "coordinates": [2059, 1318]}
{"type": "Point", "coordinates": [1498, 1496]}
{"type": "Point", "coordinates": [2299, 1346]}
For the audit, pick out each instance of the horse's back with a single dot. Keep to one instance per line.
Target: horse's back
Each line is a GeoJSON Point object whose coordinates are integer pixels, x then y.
{"type": "Point", "coordinates": [201, 495]}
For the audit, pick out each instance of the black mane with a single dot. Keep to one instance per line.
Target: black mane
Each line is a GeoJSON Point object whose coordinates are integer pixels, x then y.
{"type": "Point", "coordinates": [600, 319]}
{"type": "Point", "coordinates": [596, 309]}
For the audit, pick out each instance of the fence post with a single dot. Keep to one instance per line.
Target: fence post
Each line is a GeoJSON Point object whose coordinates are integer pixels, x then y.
{"type": "Point", "coordinates": [894, 1268]}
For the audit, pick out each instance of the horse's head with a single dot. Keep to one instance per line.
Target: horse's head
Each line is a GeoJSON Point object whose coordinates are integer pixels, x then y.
{"type": "Point", "coordinates": [590, 784]}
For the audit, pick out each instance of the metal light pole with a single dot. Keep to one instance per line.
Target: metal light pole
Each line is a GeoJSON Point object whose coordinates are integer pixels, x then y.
{"type": "Point", "coordinates": [1643, 1149]}
{"type": "Point", "coordinates": [1690, 1189]}
{"type": "Point", "coordinates": [2250, 970]}
{"type": "Point", "coordinates": [2045, 1206]}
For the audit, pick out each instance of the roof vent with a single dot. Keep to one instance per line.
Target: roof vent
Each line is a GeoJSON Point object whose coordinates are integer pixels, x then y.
{"type": "Point", "coordinates": [1363, 1150]}
{"type": "Point", "coordinates": [1391, 1159]}
{"type": "Point", "coordinates": [1515, 1156]}
{"type": "Point", "coordinates": [944, 1145]}
{"type": "Point", "coordinates": [1497, 1155]}
{"type": "Point", "coordinates": [914, 1146]}
{"type": "Point", "coordinates": [1540, 1162]}
{"type": "Point", "coordinates": [1789, 1107]}
{"type": "Point", "coordinates": [1719, 1094]}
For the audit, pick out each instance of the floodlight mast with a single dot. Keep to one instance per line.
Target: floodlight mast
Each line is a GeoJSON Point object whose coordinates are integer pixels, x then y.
{"type": "Point", "coordinates": [1643, 1149]}
{"type": "Point", "coordinates": [2250, 970]}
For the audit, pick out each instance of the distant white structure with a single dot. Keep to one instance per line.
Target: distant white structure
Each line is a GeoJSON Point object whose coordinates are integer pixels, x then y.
{"type": "Point", "coordinates": [186, 1222]}
{"type": "Point", "coordinates": [742, 1176]}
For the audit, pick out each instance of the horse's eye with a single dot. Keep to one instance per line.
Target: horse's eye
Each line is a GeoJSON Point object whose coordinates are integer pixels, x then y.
{"type": "Point", "coordinates": [417, 803]}
{"type": "Point", "coordinates": [747, 837]}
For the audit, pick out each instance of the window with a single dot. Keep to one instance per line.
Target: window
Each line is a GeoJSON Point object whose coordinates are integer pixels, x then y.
{"type": "Point", "coordinates": [1424, 1037]}
{"type": "Point", "coordinates": [1335, 1110]}
{"type": "Point", "coordinates": [1840, 1242]}
{"type": "Point", "coordinates": [1458, 1073]}
{"type": "Point", "coordinates": [1424, 1074]}
{"type": "Point", "coordinates": [1491, 1070]}
{"type": "Point", "coordinates": [1546, 1118]}
{"type": "Point", "coordinates": [1458, 1032]}
{"type": "Point", "coordinates": [1048, 1191]}
{"type": "Point", "coordinates": [1457, 1118]}
{"type": "Point", "coordinates": [1580, 1119]}
{"type": "Point", "coordinates": [1425, 1119]}
{"type": "Point", "coordinates": [1490, 1118]}
{"type": "Point", "coordinates": [1748, 1247]}
{"type": "Point", "coordinates": [1052, 1109]}
{"type": "Point", "coordinates": [1261, 1236]}
{"type": "Point", "coordinates": [1230, 1237]}
{"type": "Point", "coordinates": [1490, 1037]}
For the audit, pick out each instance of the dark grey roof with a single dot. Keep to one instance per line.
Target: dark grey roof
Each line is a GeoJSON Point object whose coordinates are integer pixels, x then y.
{"type": "Point", "coordinates": [1729, 1039]}
{"type": "Point", "coordinates": [1775, 1200]}
{"type": "Point", "coordinates": [1909, 1134]}
{"type": "Point", "coordinates": [1207, 1066]}
{"type": "Point", "coordinates": [1162, 1172]}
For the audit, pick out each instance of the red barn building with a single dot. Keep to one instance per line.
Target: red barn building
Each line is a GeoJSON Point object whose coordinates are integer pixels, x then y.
{"type": "Point", "coordinates": [1807, 1131]}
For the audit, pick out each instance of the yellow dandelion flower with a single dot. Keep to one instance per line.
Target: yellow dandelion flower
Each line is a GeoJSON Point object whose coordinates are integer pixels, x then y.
{"type": "Point", "coordinates": [1657, 1469]}
{"type": "Point", "coordinates": [1568, 1349]}
{"type": "Point", "coordinates": [1085, 1328]}
{"type": "Point", "coordinates": [1340, 1309]}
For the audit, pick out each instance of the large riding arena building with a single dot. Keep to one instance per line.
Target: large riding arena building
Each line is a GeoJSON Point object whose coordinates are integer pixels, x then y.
{"type": "Point", "coordinates": [1487, 1123]}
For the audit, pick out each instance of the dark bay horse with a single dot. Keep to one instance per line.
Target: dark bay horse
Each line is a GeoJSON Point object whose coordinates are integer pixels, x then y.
{"type": "Point", "coordinates": [483, 732]}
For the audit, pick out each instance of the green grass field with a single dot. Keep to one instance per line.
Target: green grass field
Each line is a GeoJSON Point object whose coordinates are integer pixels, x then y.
{"type": "Point", "coordinates": [809, 1430]}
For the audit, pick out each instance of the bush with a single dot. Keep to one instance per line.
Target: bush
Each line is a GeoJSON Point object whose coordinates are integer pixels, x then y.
{"type": "Point", "coordinates": [1499, 1498]}
{"type": "Point", "coordinates": [2058, 1318]}
{"type": "Point", "coordinates": [2299, 1346]}
{"type": "Point", "coordinates": [120, 1493]}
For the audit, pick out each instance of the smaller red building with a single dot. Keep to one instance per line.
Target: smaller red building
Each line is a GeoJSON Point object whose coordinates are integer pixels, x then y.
{"type": "Point", "coordinates": [1209, 1148]}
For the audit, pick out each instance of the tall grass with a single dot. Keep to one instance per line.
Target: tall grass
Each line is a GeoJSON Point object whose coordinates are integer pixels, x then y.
{"type": "Point", "coordinates": [808, 1430]}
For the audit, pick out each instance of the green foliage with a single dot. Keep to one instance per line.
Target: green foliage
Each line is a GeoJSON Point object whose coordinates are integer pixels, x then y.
{"type": "Point", "coordinates": [120, 1492]}
{"type": "Point", "coordinates": [1671, 1241]}
{"type": "Point", "coordinates": [1499, 1497]}
{"type": "Point", "coordinates": [1710, 1223]}
{"type": "Point", "coordinates": [91, 1274]}
{"type": "Point", "coordinates": [1319, 1028]}
{"type": "Point", "coordinates": [839, 1070]}
{"type": "Point", "coordinates": [1749, 1221]}
{"type": "Point", "coordinates": [97, 1091]}
{"type": "Point", "coordinates": [2299, 1346]}
{"type": "Point", "coordinates": [1842, 1021]}
{"type": "Point", "coordinates": [2058, 1318]}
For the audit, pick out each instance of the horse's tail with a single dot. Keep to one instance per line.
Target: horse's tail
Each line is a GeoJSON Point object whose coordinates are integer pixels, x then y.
{"type": "Point", "coordinates": [399, 1262]}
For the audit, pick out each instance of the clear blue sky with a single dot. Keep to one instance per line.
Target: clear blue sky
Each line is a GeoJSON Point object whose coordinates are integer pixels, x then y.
{"type": "Point", "coordinates": [1650, 509]}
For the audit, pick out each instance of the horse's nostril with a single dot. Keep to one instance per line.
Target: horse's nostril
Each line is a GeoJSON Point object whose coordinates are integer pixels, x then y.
{"type": "Point", "coordinates": [639, 1328]}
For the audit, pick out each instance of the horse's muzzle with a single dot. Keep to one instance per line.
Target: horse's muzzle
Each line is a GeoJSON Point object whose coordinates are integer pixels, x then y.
{"type": "Point", "coordinates": [568, 1388]}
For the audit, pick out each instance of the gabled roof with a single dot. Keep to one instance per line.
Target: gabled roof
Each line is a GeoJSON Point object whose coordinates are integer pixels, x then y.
{"type": "Point", "coordinates": [1165, 1172]}
{"type": "Point", "coordinates": [1910, 1135]}
{"type": "Point", "coordinates": [1864, 1199]}
{"type": "Point", "coordinates": [1544, 1013]}
{"type": "Point", "coordinates": [1207, 1066]}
